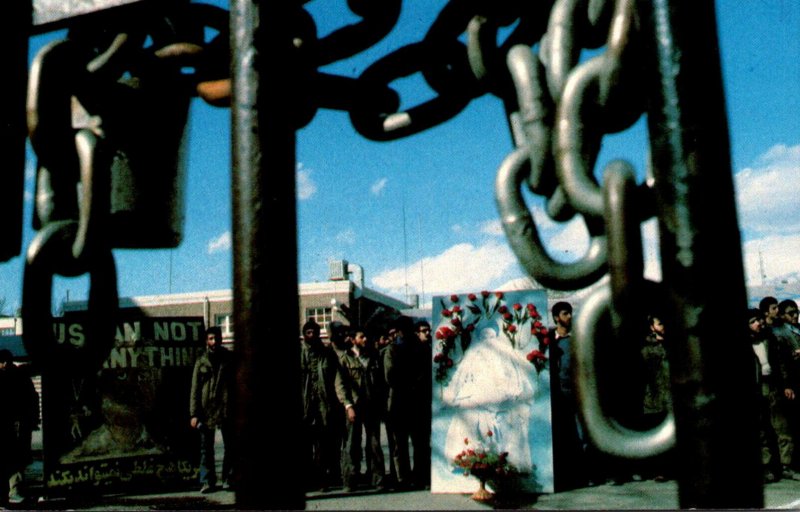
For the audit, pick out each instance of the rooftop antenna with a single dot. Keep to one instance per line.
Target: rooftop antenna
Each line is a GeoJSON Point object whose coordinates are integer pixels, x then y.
{"type": "Point", "coordinates": [405, 247]}
{"type": "Point", "coordinates": [761, 266]}
{"type": "Point", "coordinates": [421, 261]}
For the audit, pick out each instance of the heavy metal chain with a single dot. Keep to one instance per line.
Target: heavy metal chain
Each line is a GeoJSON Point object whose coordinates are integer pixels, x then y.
{"type": "Point", "coordinates": [89, 91]}
{"type": "Point", "coordinates": [107, 110]}
{"type": "Point", "coordinates": [565, 110]}
{"type": "Point", "coordinates": [559, 107]}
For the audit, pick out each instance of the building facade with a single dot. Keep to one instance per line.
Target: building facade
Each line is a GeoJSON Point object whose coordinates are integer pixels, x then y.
{"type": "Point", "coordinates": [324, 302]}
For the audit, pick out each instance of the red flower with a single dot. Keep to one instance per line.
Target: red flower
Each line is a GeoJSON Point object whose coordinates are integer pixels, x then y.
{"type": "Point", "coordinates": [508, 316]}
{"type": "Point", "coordinates": [472, 296]}
{"type": "Point", "coordinates": [502, 309]}
{"type": "Point", "coordinates": [512, 328]}
{"type": "Point", "coordinates": [499, 295]}
{"type": "Point", "coordinates": [475, 309]}
{"type": "Point", "coordinates": [466, 441]}
{"type": "Point", "coordinates": [534, 355]}
{"type": "Point", "coordinates": [456, 309]}
{"type": "Point", "coordinates": [444, 332]}
{"type": "Point", "coordinates": [438, 357]}
{"type": "Point", "coordinates": [470, 327]}
{"type": "Point", "coordinates": [537, 324]}
{"type": "Point", "coordinates": [446, 312]}
{"type": "Point", "coordinates": [517, 307]}
{"type": "Point", "coordinates": [489, 433]}
{"type": "Point", "coordinates": [485, 294]}
{"type": "Point", "coordinates": [454, 298]}
{"type": "Point", "coordinates": [456, 321]}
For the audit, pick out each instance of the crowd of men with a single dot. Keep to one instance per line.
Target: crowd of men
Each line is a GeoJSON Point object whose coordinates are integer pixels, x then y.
{"type": "Point", "coordinates": [775, 334]}
{"type": "Point", "coordinates": [352, 386]}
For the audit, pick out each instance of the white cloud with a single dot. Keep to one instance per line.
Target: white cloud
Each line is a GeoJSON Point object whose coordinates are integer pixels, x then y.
{"type": "Point", "coordinates": [767, 195]}
{"type": "Point", "coordinates": [306, 187]}
{"type": "Point", "coordinates": [377, 188]}
{"type": "Point", "coordinates": [219, 244]}
{"type": "Point", "coordinates": [460, 268]}
{"type": "Point", "coordinates": [769, 215]}
{"type": "Point", "coordinates": [348, 236]}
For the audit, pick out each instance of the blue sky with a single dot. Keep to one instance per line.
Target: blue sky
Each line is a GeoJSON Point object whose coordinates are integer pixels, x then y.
{"type": "Point", "coordinates": [418, 214]}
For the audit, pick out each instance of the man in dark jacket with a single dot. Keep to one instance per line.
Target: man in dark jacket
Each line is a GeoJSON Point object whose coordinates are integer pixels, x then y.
{"type": "Point", "coordinates": [19, 417]}
{"type": "Point", "coordinates": [407, 367]}
{"type": "Point", "coordinates": [318, 368]}
{"type": "Point", "coordinates": [777, 444]}
{"type": "Point", "coordinates": [361, 388]}
{"type": "Point", "coordinates": [211, 408]}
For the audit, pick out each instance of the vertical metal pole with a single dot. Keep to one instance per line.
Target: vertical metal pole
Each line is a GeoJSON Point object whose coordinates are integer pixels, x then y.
{"type": "Point", "coordinates": [265, 258]}
{"type": "Point", "coordinates": [714, 390]}
{"type": "Point", "coordinates": [14, 33]}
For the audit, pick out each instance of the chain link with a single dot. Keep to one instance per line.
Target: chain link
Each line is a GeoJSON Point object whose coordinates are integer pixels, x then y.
{"type": "Point", "coordinates": [107, 109]}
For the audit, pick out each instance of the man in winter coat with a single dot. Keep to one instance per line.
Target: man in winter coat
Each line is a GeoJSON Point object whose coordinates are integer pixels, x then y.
{"type": "Point", "coordinates": [211, 408]}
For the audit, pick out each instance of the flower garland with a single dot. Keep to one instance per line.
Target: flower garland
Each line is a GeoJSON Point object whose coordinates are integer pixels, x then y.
{"type": "Point", "coordinates": [538, 356]}
{"type": "Point", "coordinates": [459, 322]}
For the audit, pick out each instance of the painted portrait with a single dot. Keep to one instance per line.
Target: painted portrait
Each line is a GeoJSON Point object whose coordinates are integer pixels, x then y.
{"type": "Point", "coordinates": [491, 391]}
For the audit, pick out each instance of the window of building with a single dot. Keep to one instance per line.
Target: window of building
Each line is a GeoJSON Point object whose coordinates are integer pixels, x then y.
{"type": "Point", "coordinates": [323, 316]}
{"type": "Point", "coordinates": [225, 322]}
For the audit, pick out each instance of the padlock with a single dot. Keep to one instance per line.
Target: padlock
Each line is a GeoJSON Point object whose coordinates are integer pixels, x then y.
{"type": "Point", "coordinates": [137, 105]}
{"type": "Point", "coordinates": [142, 120]}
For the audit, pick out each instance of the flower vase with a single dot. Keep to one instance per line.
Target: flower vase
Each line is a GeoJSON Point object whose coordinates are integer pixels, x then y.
{"type": "Point", "coordinates": [482, 494]}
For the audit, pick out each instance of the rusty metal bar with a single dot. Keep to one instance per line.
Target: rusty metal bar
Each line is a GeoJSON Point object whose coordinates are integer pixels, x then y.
{"type": "Point", "coordinates": [711, 360]}
{"type": "Point", "coordinates": [14, 32]}
{"type": "Point", "coordinates": [270, 469]}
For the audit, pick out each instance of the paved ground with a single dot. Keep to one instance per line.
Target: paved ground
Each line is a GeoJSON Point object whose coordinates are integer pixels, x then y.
{"type": "Point", "coordinates": [647, 495]}
{"type": "Point", "coordinates": [644, 495]}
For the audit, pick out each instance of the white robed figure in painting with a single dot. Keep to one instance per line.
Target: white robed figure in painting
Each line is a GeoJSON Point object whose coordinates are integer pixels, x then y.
{"type": "Point", "coordinates": [492, 389]}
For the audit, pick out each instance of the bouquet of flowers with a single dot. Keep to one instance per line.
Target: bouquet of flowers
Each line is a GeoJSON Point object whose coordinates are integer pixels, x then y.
{"type": "Point", "coordinates": [483, 461]}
